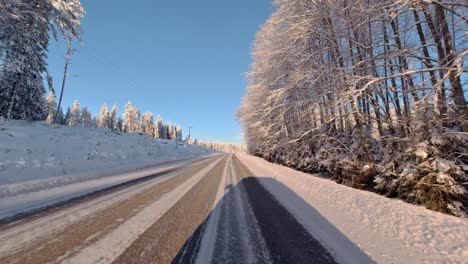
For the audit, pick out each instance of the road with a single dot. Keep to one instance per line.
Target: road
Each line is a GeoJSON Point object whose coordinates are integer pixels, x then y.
{"type": "Point", "coordinates": [205, 211]}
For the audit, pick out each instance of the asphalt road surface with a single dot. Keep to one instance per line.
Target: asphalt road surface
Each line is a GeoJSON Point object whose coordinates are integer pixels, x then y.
{"type": "Point", "coordinates": [205, 211]}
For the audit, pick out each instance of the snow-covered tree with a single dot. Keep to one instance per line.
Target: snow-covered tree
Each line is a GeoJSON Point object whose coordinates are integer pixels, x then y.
{"type": "Point", "coordinates": [131, 119]}
{"type": "Point", "coordinates": [60, 117]}
{"type": "Point", "coordinates": [360, 89]}
{"type": "Point", "coordinates": [51, 107]}
{"type": "Point", "coordinates": [24, 35]}
{"type": "Point", "coordinates": [178, 132]}
{"type": "Point", "coordinates": [103, 118]}
{"type": "Point", "coordinates": [66, 118]}
{"type": "Point", "coordinates": [120, 124]}
{"type": "Point", "coordinates": [159, 128]}
{"type": "Point", "coordinates": [75, 114]}
{"type": "Point", "coordinates": [147, 125]}
{"type": "Point", "coordinates": [163, 132]}
{"type": "Point", "coordinates": [169, 131]}
{"type": "Point", "coordinates": [113, 118]}
{"type": "Point", "coordinates": [94, 122]}
{"type": "Point", "coordinates": [86, 119]}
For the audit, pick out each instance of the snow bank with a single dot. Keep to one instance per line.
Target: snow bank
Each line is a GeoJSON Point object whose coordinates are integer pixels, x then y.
{"type": "Point", "coordinates": [31, 151]}
{"type": "Point", "coordinates": [387, 230]}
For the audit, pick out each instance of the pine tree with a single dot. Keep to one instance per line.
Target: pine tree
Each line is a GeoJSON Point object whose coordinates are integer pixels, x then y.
{"type": "Point", "coordinates": [51, 105]}
{"type": "Point", "coordinates": [164, 132]}
{"type": "Point", "coordinates": [103, 118]}
{"type": "Point", "coordinates": [75, 116]}
{"type": "Point", "coordinates": [120, 124]}
{"type": "Point", "coordinates": [86, 119]}
{"type": "Point", "coordinates": [66, 118]}
{"type": "Point", "coordinates": [24, 34]}
{"type": "Point", "coordinates": [159, 128]}
{"type": "Point", "coordinates": [113, 118]}
{"type": "Point", "coordinates": [178, 133]}
{"type": "Point", "coordinates": [131, 119]}
{"type": "Point", "coordinates": [147, 124]}
{"type": "Point", "coordinates": [128, 118]}
{"type": "Point", "coordinates": [137, 127]}
{"type": "Point", "coordinates": [169, 131]}
{"type": "Point", "coordinates": [94, 122]}
{"type": "Point", "coordinates": [60, 117]}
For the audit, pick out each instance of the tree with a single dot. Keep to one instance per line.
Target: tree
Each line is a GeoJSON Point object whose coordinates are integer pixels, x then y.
{"type": "Point", "coordinates": [103, 118]}
{"type": "Point", "coordinates": [159, 128]}
{"type": "Point", "coordinates": [113, 118]}
{"type": "Point", "coordinates": [164, 132]}
{"type": "Point", "coordinates": [66, 118]}
{"type": "Point", "coordinates": [169, 131]}
{"type": "Point", "coordinates": [120, 124]}
{"type": "Point", "coordinates": [131, 119]}
{"type": "Point", "coordinates": [338, 85]}
{"type": "Point", "coordinates": [51, 107]}
{"type": "Point", "coordinates": [24, 34]}
{"type": "Point", "coordinates": [178, 131]}
{"type": "Point", "coordinates": [60, 118]}
{"type": "Point", "coordinates": [147, 124]}
{"type": "Point", "coordinates": [86, 119]}
{"type": "Point", "coordinates": [75, 114]}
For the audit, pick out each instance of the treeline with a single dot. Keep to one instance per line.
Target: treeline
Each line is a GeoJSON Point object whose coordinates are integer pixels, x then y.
{"type": "Point", "coordinates": [225, 147]}
{"type": "Point", "coordinates": [371, 92]}
{"type": "Point", "coordinates": [131, 121]}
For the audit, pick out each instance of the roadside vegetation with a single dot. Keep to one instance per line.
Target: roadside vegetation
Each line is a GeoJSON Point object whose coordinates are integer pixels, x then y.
{"type": "Point", "coordinates": [371, 93]}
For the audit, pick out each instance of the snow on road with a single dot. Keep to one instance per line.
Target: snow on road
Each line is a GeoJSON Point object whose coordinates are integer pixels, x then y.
{"type": "Point", "coordinates": [20, 236]}
{"type": "Point", "coordinates": [30, 201]}
{"type": "Point", "coordinates": [354, 224]}
{"type": "Point", "coordinates": [109, 247]}
{"type": "Point", "coordinates": [232, 233]}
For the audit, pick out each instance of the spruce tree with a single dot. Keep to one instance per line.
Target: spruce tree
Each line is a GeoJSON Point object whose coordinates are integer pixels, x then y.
{"type": "Point", "coordinates": [86, 119]}
{"type": "Point", "coordinates": [60, 117]}
{"type": "Point", "coordinates": [159, 128]}
{"type": "Point", "coordinates": [24, 35]}
{"type": "Point", "coordinates": [147, 124]}
{"type": "Point", "coordinates": [75, 115]}
{"type": "Point", "coordinates": [128, 118]}
{"type": "Point", "coordinates": [120, 124]}
{"type": "Point", "coordinates": [103, 118]}
{"type": "Point", "coordinates": [51, 107]}
{"type": "Point", "coordinates": [66, 118]}
{"type": "Point", "coordinates": [113, 118]}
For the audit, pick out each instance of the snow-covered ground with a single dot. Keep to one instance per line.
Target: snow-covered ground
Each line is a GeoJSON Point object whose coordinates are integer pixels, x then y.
{"type": "Point", "coordinates": [348, 221]}
{"type": "Point", "coordinates": [43, 164]}
{"type": "Point", "coordinates": [34, 150]}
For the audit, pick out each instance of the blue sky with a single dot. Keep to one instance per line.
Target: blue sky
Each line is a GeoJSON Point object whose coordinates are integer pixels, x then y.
{"type": "Point", "coordinates": [184, 60]}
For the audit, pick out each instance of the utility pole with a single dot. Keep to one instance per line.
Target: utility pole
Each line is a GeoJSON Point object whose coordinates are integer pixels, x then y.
{"type": "Point", "coordinates": [67, 62]}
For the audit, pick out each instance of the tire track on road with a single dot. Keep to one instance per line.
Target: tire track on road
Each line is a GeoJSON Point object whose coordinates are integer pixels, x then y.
{"type": "Point", "coordinates": [166, 237]}
{"type": "Point", "coordinates": [66, 242]}
{"type": "Point", "coordinates": [287, 240]}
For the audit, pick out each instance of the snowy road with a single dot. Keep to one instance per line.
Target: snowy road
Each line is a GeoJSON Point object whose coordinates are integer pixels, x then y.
{"type": "Point", "coordinates": [206, 211]}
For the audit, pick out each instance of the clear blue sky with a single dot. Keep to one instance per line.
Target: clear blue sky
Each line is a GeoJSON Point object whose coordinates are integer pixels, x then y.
{"type": "Point", "coordinates": [184, 60]}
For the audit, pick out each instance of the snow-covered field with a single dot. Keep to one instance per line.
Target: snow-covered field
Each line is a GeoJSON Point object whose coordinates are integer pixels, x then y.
{"type": "Point", "coordinates": [32, 151]}
{"type": "Point", "coordinates": [349, 221]}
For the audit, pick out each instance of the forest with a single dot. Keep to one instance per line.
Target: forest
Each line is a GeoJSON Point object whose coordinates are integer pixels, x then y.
{"type": "Point", "coordinates": [370, 93]}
